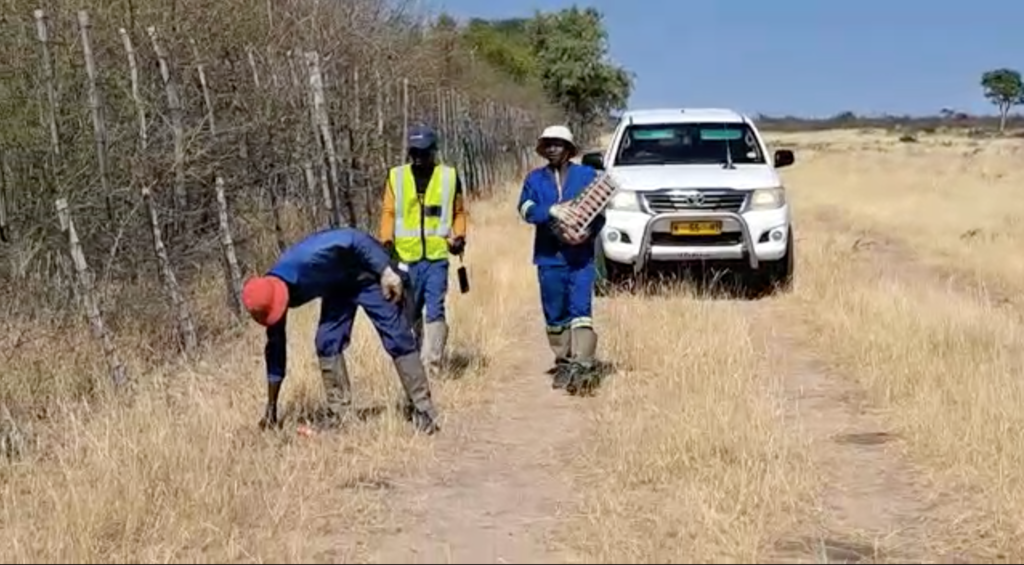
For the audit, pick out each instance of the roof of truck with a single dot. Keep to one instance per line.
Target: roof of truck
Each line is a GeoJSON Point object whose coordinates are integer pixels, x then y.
{"type": "Point", "coordinates": [683, 115]}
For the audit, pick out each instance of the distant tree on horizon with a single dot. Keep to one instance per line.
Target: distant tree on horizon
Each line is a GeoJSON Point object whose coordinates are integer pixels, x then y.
{"type": "Point", "coordinates": [1004, 88]}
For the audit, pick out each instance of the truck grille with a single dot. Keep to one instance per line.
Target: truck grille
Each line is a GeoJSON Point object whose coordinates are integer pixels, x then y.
{"type": "Point", "coordinates": [724, 200]}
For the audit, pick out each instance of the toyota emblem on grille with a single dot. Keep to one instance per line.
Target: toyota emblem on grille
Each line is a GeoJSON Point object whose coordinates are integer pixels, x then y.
{"type": "Point", "coordinates": [689, 198]}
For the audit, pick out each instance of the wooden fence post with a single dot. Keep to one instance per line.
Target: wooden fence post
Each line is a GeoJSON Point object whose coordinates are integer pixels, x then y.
{"type": "Point", "coordinates": [252, 65]}
{"type": "Point", "coordinates": [405, 120]}
{"type": "Point", "coordinates": [358, 150]}
{"type": "Point", "coordinates": [49, 76]}
{"type": "Point", "coordinates": [382, 146]}
{"type": "Point", "coordinates": [186, 326]}
{"type": "Point", "coordinates": [316, 160]}
{"type": "Point", "coordinates": [205, 87]}
{"type": "Point", "coordinates": [133, 68]}
{"type": "Point", "coordinates": [99, 123]}
{"type": "Point", "coordinates": [92, 310]}
{"type": "Point", "coordinates": [320, 116]}
{"type": "Point", "coordinates": [234, 273]}
{"type": "Point", "coordinates": [177, 118]}
{"type": "Point", "coordinates": [5, 235]}
{"type": "Point", "coordinates": [442, 128]}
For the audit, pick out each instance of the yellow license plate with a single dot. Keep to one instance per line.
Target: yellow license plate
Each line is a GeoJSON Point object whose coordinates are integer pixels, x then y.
{"type": "Point", "coordinates": [696, 228]}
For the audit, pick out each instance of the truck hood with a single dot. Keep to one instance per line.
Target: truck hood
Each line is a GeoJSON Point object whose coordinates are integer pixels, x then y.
{"type": "Point", "coordinates": [655, 177]}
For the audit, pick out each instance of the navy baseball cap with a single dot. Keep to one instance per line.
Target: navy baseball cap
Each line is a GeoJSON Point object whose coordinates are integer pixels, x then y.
{"type": "Point", "coordinates": [421, 137]}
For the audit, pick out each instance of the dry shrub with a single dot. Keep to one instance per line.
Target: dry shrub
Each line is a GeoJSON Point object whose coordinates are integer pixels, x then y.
{"type": "Point", "coordinates": [252, 55]}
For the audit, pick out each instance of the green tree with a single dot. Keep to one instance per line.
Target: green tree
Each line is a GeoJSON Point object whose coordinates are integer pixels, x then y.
{"type": "Point", "coordinates": [563, 54]}
{"type": "Point", "coordinates": [571, 48]}
{"type": "Point", "coordinates": [504, 45]}
{"type": "Point", "coordinates": [1004, 88]}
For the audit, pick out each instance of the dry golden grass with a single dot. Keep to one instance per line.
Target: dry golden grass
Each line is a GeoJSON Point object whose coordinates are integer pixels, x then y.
{"type": "Point", "coordinates": [880, 227]}
{"type": "Point", "coordinates": [689, 458]}
{"type": "Point", "coordinates": [954, 200]}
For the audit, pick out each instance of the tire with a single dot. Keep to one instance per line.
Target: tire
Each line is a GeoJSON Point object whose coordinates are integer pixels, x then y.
{"type": "Point", "coordinates": [777, 276]}
{"type": "Point", "coordinates": [611, 276]}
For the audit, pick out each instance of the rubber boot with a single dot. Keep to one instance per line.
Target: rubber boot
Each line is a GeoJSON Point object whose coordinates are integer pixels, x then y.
{"type": "Point", "coordinates": [582, 374]}
{"type": "Point", "coordinates": [337, 387]}
{"type": "Point", "coordinates": [417, 331]}
{"type": "Point", "coordinates": [560, 346]}
{"type": "Point", "coordinates": [417, 392]}
{"type": "Point", "coordinates": [269, 419]}
{"type": "Point", "coordinates": [434, 342]}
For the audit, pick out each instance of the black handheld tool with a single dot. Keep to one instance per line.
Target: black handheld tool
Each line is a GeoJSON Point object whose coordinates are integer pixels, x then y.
{"type": "Point", "coordinates": [463, 277]}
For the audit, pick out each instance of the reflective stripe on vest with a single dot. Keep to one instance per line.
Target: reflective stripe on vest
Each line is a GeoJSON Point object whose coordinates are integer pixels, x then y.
{"type": "Point", "coordinates": [418, 235]}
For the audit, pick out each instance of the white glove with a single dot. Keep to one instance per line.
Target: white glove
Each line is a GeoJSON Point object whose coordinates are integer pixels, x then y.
{"type": "Point", "coordinates": [561, 212]}
{"type": "Point", "coordinates": [391, 284]}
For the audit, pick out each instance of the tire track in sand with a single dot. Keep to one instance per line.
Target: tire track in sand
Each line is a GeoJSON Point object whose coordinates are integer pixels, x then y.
{"type": "Point", "coordinates": [872, 508]}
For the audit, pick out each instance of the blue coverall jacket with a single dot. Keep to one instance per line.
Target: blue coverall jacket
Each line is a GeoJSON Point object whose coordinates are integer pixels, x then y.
{"type": "Point", "coordinates": [539, 193]}
{"type": "Point", "coordinates": [566, 273]}
{"type": "Point", "coordinates": [342, 267]}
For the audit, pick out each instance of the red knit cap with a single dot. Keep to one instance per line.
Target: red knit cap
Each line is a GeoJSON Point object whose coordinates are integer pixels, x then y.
{"type": "Point", "coordinates": [266, 299]}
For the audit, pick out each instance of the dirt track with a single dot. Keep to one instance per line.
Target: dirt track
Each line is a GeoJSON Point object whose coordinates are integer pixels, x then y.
{"type": "Point", "coordinates": [497, 489]}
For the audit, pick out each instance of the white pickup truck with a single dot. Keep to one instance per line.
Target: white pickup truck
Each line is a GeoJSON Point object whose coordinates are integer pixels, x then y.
{"type": "Point", "coordinates": [695, 185]}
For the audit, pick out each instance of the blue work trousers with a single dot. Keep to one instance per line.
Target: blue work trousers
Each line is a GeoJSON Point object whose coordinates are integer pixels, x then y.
{"type": "Point", "coordinates": [338, 313]}
{"type": "Point", "coordinates": [567, 295]}
{"type": "Point", "coordinates": [429, 289]}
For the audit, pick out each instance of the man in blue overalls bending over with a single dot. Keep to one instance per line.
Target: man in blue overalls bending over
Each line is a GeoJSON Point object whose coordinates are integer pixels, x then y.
{"type": "Point", "coordinates": [566, 269]}
{"type": "Point", "coordinates": [345, 268]}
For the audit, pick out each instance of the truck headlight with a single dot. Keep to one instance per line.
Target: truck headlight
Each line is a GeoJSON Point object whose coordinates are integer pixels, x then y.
{"type": "Point", "coordinates": [767, 199]}
{"type": "Point", "coordinates": [625, 201]}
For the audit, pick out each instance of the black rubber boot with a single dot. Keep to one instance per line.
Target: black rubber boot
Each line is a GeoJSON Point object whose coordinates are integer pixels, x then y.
{"type": "Point", "coordinates": [269, 419]}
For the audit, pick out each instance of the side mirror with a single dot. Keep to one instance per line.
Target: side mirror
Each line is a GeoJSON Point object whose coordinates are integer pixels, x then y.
{"type": "Point", "coordinates": [784, 158]}
{"type": "Point", "coordinates": [593, 160]}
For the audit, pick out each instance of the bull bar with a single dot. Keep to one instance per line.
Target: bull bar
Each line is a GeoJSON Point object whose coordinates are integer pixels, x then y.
{"type": "Point", "coordinates": [643, 257]}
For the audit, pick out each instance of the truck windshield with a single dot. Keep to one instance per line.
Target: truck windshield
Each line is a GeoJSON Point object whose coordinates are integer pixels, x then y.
{"type": "Point", "coordinates": [688, 144]}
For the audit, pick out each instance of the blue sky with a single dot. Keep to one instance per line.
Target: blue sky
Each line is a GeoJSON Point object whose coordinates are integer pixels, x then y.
{"type": "Point", "coordinates": [801, 57]}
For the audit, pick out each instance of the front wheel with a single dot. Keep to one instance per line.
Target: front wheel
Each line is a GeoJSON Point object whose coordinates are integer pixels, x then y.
{"type": "Point", "coordinates": [777, 276]}
{"type": "Point", "coordinates": [610, 274]}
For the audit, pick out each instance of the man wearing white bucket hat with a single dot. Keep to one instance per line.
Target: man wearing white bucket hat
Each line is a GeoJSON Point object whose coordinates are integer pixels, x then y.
{"type": "Point", "coordinates": [565, 268]}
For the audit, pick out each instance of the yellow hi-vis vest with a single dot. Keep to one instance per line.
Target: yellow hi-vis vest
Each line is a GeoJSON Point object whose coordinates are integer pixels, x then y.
{"type": "Point", "coordinates": [421, 228]}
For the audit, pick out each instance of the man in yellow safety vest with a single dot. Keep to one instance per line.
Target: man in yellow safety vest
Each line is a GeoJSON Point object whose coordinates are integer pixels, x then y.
{"type": "Point", "coordinates": [423, 223]}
